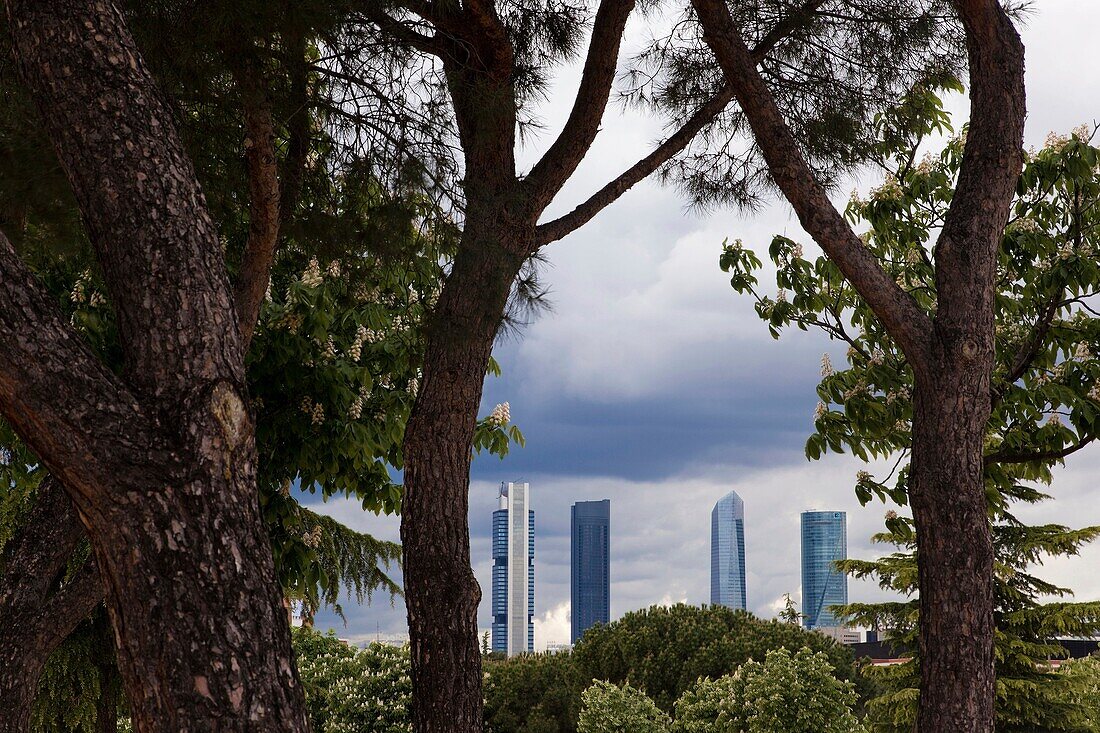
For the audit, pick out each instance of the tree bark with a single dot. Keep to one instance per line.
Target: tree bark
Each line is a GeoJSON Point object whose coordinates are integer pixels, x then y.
{"type": "Point", "coordinates": [441, 593]}
{"type": "Point", "coordinates": [37, 609]}
{"type": "Point", "coordinates": [160, 462]}
{"type": "Point", "coordinates": [951, 355]}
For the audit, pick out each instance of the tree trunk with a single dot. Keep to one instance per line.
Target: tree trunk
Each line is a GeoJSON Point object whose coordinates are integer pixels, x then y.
{"type": "Point", "coordinates": [955, 548]}
{"type": "Point", "coordinates": [37, 612]}
{"type": "Point", "coordinates": [160, 461]}
{"type": "Point", "coordinates": [441, 592]}
{"type": "Point", "coordinates": [106, 708]}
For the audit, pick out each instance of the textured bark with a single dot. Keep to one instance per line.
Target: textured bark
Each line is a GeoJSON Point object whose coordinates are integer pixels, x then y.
{"type": "Point", "coordinates": [441, 593]}
{"type": "Point", "coordinates": [37, 610]}
{"type": "Point", "coordinates": [160, 462]}
{"type": "Point", "coordinates": [952, 403]}
{"type": "Point", "coordinates": [263, 196]}
{"type": "Point", "coordinates": [499, 233]}
{"type": "Point", "coordinates": [951, 354]}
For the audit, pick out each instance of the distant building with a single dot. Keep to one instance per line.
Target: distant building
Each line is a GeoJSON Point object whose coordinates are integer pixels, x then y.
{"type": "Point", "coordinates": [842, 634]}
{"type": "Point", "coordinates": [556, 647]}
{"type": "Point", "coordinates": [727, 552]}
{"type": "Point", "coordinates": [590, 577]}
{"type": "Point", "coordinates": [514, 571]}
{"type": "Point", "coordinates": [824, 541]}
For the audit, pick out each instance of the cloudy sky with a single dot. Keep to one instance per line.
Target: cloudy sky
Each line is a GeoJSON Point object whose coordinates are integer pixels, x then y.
{"type": "Point", "coordinates": [654, 385]}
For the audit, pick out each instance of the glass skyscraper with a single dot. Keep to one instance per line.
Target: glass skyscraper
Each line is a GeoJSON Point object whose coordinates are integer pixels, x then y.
{"type": "Point", "coordinates": [514, 571]}
{"type": "Point", "coordinates": [824, 541]}
{"type": "Point", "coordinates": [590, 577]}
{"type": "Point", "coordinates": [727, 552]}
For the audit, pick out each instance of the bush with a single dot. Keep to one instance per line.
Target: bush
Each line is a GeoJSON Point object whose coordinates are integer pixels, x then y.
{"type": "Point", "coordinates": [352, 690]}
{"type": "Point", "coordinates": [665, 650]}
{"type": "Point", "coordinates": [533, 693]}
{"type": "Point", "coordinates": [786, 693]}
{"type": "Point", "coordinates": [609, 708]}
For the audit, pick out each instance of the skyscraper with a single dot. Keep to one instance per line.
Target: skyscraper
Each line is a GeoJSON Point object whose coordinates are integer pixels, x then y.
{"type": "Point", "coordinates": [590, 578]}
{"type": "Point", "coordinates": [824, 541]}
{"type": "Point", "coordinates": [727, 552]}
{"type": "Point", "coordinates": [514, 571]}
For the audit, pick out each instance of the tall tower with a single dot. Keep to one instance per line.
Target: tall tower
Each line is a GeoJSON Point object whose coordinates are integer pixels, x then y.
{"type": "Point", "coordinates": [727, 552]}
{"type": "Point", "coordinates": [824, 541]}
{"type": "Point", "coordinates": [514, 571]}
{"type": "Point", "coordinates": [590, 577]}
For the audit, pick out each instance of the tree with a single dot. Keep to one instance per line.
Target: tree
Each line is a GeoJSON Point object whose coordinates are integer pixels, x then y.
{"type": "Point", "coordinates": [352, 689]}
{"type": "Point", "coordinates": [535, 693]}
{"type": "Point", "coordinates": [159, 457]}
{"type": "Point", "coordinates": [664, 650]}
{"type": "Point", "coordinates": [790, 613]}
{"type": "Point", "coordinates": [609, 708]}
{"type": "Point", "coordinates": [479, 65]}
{"type": "Point", "coordinates": [951, 352]}
{"type": "Point", "coordinates": [789, 692]}
{"type": "Point", "coordinates": [1045, 371]}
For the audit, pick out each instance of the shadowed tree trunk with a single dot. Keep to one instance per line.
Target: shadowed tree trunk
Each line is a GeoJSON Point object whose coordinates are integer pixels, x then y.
{"type": "Point", "coordinates": [159, 461]}
{"type": "Point", "coordinates": [501, 231]}
{"type": "Point", "coordinates": [951, 353]}
{"type": "Point", "coordinates": [38, 610]}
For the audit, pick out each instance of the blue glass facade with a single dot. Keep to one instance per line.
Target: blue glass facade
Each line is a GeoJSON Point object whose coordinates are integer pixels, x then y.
{"type": "Point", "coordinates": [727, 552]}
{"type": "Point", "coordinates": [508, 551]}
{"type": "Point", "coordinates": [590, 577]}
{"type": "Point", "coordinates": [824, 541]}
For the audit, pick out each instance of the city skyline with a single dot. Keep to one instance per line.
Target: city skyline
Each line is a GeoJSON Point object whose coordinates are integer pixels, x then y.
{"type": "Point", "coordinates": [651, 383]}
{"type": "Point", "coordinates": [824, 541]}
{"type": "Point", "coordinates": [590, 566]}
{"type": "Point", "coordinates": [727, 553]}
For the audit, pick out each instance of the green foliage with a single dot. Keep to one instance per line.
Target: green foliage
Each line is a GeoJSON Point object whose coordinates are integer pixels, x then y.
{"type": "Point", "coordinates": [664, 650]}
{"type": "Point", "coordinates": [73, 678]}
{"type": "Point", "coordinates": [792, 693]}
{"type": "Point", "coordinates": [831, 76]}
{"type": "Point", "coordinates": [1046, 390]}
{"type": "Point", "coordinates": [352, 690]}
{"type": "Point", "coordinates": [534, 693]}
{"type": "Point", "coordinates": [609, 708]}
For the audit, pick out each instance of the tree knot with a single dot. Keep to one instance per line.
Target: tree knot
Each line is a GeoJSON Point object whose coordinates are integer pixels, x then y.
{"type": "Point", "coordinates": [228, 409]}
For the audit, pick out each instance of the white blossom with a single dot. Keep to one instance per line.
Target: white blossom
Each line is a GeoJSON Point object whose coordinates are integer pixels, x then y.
{"type": "Point", "coordinates": [826, 365]}
{"type": "Point", "coordinates": [501, 415]}
{"type": "Point", "coordinates": [312, 276]}
{"type": "Point", "coordinates": [819, 411]}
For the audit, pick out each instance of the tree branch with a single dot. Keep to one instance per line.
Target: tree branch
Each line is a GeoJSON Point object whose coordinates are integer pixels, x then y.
{"type": "Point", "coordinates": [403, 33]}
{"type": "Point", "coordinates": [903, 318]}
{"type": "Point", "coordinates": [1052, 455]}
{"type": "Point", "coordinates": [967, 247]}
{"type": "Point", "coordinates": [565, 154]}
{"type": "Point", "coordinates": [87, 427]}
{"type": "Point", "coordinates": [254, 274]}
{"type": "Point", "coordinates": [586, 211]}
{"type": "Point", "coordinates": [1029, 350]}
{"type": "Point", "coordinates": [136, 188]}
{"type": "Point", "coordinates": [37, 621]}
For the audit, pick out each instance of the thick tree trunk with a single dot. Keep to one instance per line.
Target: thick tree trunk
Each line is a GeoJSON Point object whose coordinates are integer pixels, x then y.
{"type": "Point", "coordinates": [955, 548]}
{"type": "Point", "coordinates": [37, 612]}
{"type": "Point", "coordinates": [160, 462]}
{"type": "Point", "coordinates": [441, 592]}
